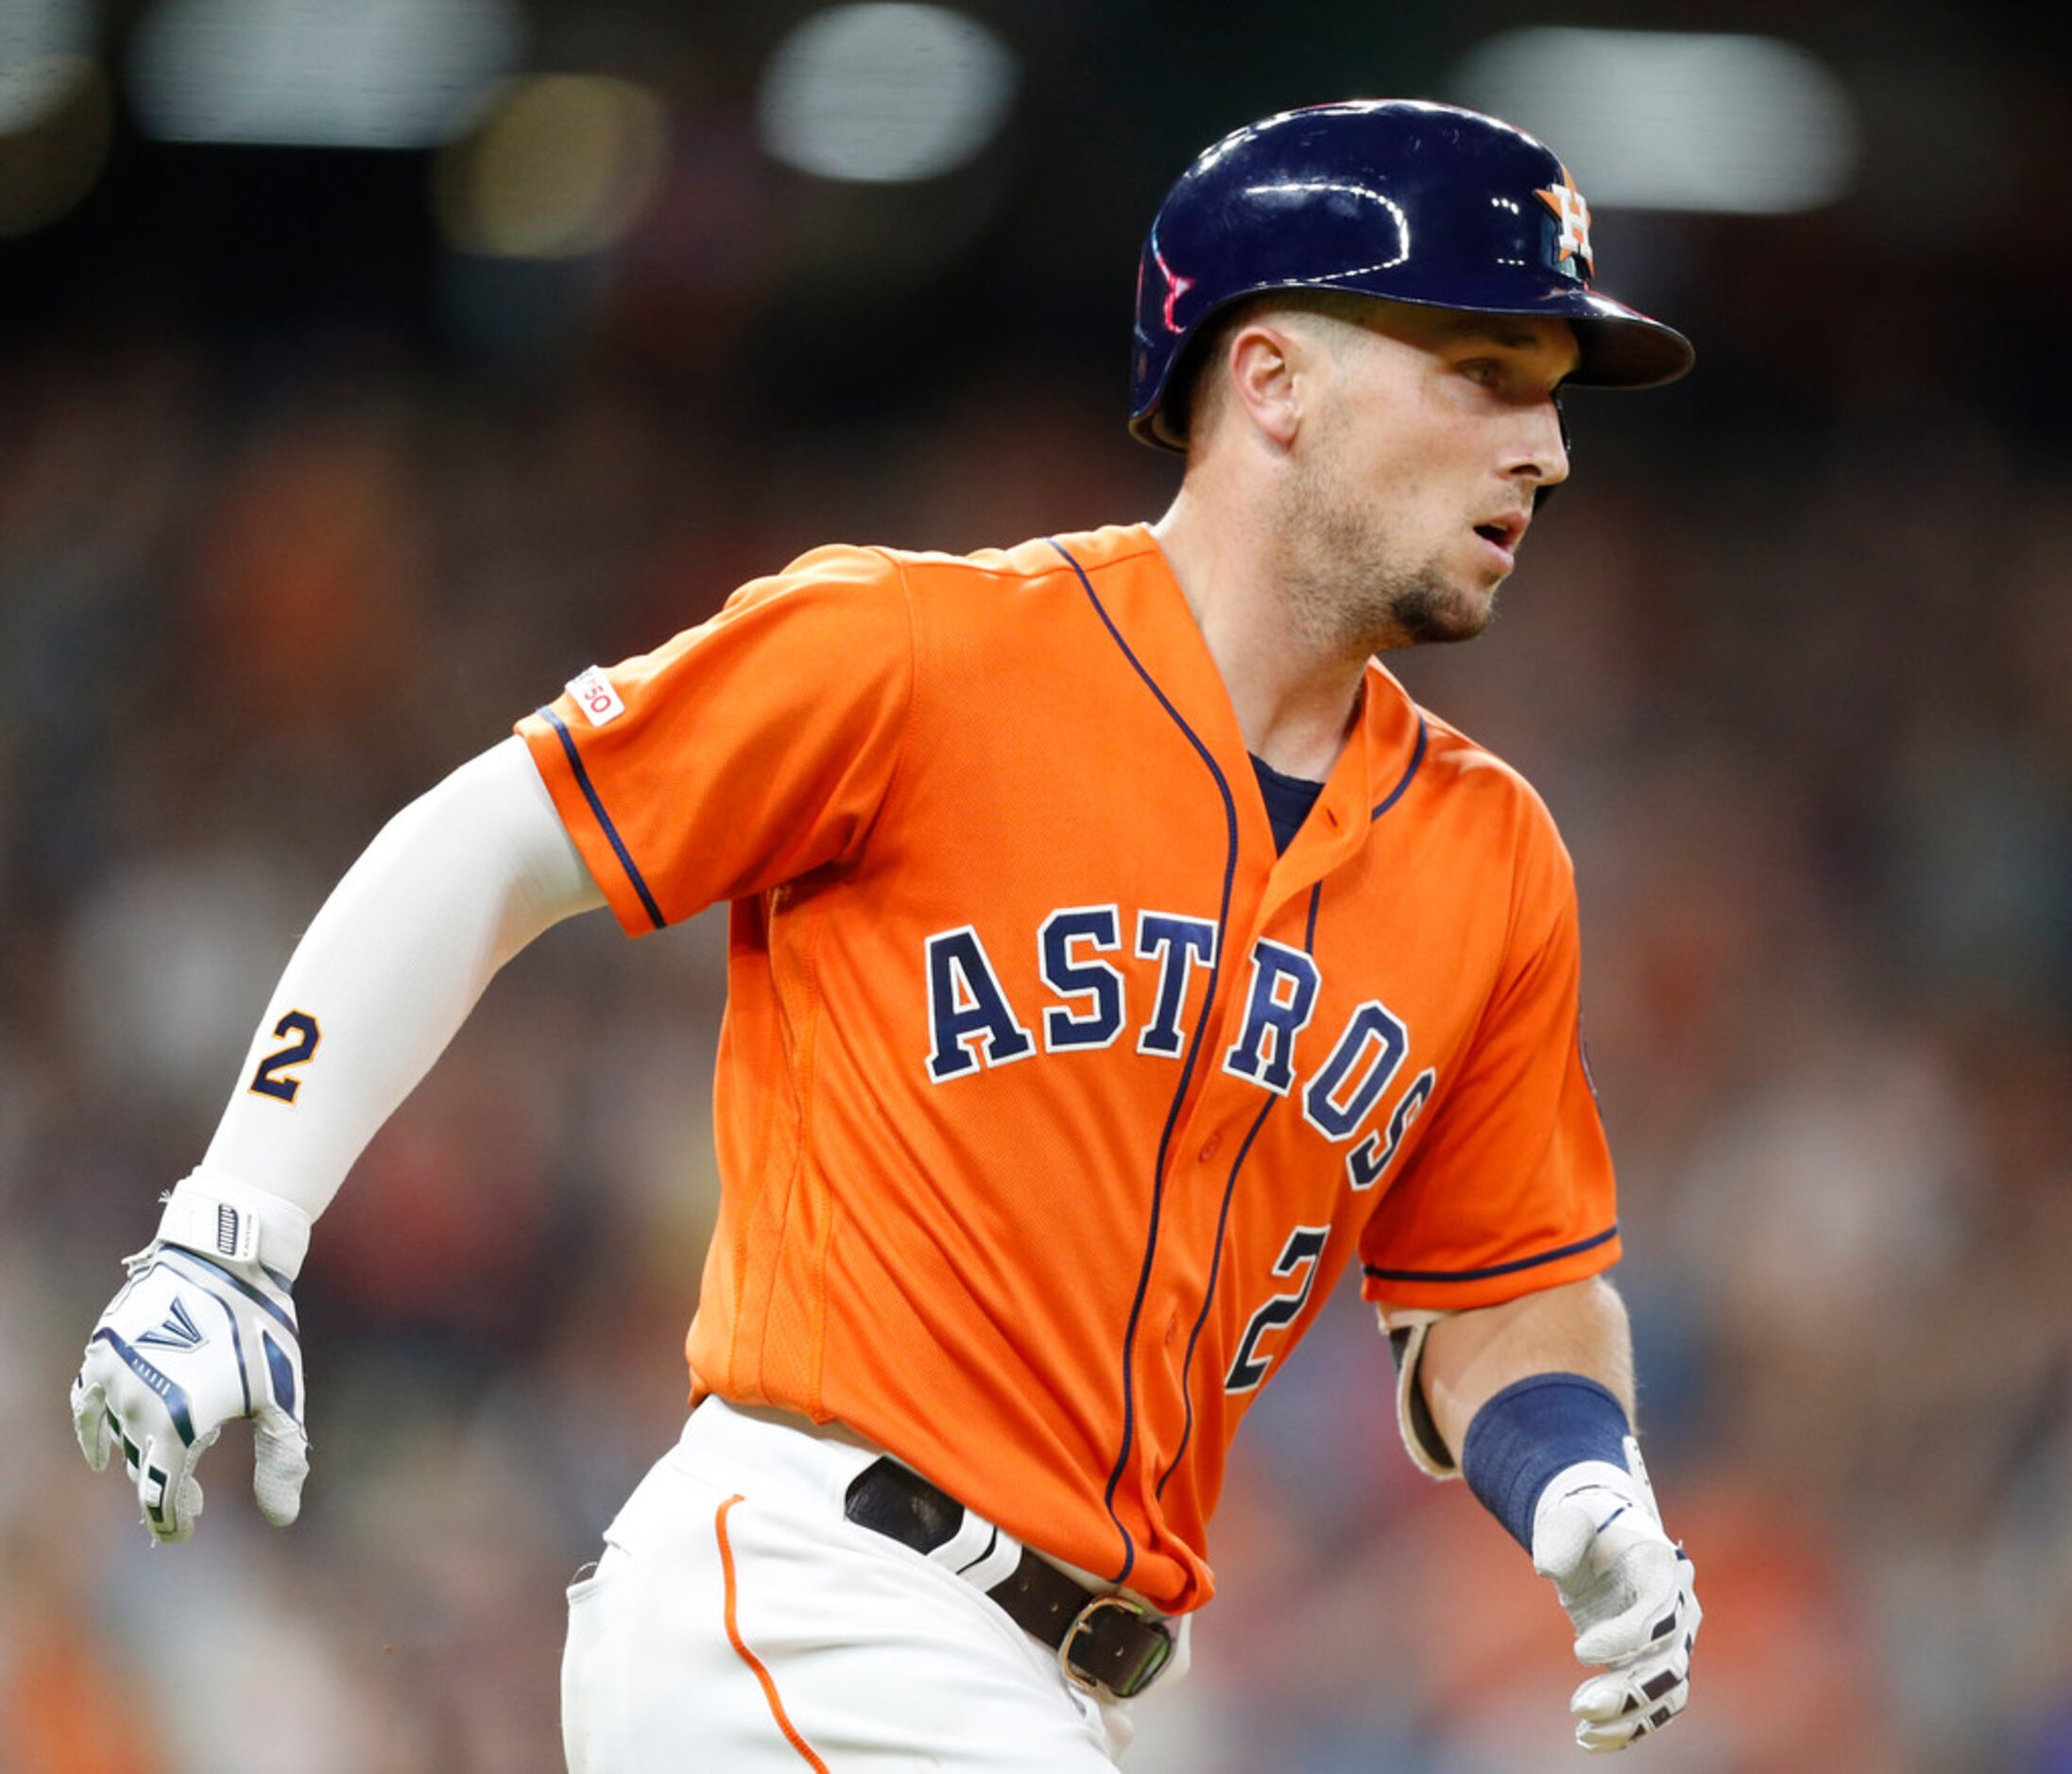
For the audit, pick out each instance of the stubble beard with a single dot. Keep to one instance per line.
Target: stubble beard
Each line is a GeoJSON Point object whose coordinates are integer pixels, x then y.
{"type": "Point", "coordinates": [1350, 588]}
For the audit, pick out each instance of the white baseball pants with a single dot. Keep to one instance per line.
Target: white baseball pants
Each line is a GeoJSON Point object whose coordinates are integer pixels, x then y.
{"type": "Point", "coordinates": [740, 1623]}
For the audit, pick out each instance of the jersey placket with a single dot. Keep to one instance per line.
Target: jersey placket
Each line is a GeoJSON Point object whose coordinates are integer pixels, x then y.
{"type": "Point", "coordinates": [1223, 1122]}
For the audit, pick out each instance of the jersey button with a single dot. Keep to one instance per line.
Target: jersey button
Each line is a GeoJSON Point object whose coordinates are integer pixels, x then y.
{"type": "Point", "coordinates": [1212, 1145]}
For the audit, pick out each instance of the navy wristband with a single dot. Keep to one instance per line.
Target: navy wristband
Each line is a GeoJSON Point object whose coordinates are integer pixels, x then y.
{"type": "Point", "coordinates": [1533, 1429]}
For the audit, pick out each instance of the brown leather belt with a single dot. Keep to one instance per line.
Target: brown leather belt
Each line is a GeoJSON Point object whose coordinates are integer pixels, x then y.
{"type": "Point", "coordinates": [1104, 1642]}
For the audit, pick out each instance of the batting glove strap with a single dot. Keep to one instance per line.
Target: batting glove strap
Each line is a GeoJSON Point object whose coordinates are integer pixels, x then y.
{"type": "Point", "coordinates": [236, 1224]}
{"type": "Point", "coordinates": [1628, 1592]}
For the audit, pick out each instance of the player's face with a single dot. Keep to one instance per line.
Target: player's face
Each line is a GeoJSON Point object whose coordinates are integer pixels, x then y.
{"type": "Point", "coordinates": [1414, 471]}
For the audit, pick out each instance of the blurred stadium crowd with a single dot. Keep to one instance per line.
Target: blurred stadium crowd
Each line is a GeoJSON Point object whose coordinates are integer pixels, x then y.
{"type": "Point", "coordinates": [1789, 659]}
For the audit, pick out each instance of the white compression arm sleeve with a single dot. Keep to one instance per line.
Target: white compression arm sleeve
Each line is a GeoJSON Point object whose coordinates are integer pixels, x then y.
{"type": "Point", "coordinates": [452, 887]}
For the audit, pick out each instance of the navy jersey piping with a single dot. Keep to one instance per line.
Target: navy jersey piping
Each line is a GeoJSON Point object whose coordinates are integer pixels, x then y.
{"type": "Point", "coordinates": [1416, 757]}
{"type": "Point", "coordinates": [1187, 1070]}
{"type": "Point", "coordinates": [1222, 1222]}
{"type": "Point", "coordinates": [1576, 1249]}
{"type": "Point", "coordinates": [602, 818]}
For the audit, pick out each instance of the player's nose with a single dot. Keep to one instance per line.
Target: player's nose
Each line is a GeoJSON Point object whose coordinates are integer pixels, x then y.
{"type": "Point", "coordinates": [1540, 446]}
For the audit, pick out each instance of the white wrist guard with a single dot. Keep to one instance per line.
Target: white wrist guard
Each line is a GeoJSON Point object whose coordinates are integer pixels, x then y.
{"type": "Point", "coordinates": [235, 1223]}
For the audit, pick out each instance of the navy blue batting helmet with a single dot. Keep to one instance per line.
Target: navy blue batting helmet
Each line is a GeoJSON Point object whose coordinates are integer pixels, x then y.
{"type": "Point", "coordinates": [1392, 197]}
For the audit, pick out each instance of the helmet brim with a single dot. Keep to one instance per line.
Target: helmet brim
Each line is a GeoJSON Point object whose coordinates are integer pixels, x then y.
{"type": "Point", "coordinates": [1618, 347]}
{"type": "Point", "coordinates": [1622, 347]}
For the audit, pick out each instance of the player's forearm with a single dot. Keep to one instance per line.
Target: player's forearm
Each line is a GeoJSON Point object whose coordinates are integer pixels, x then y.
{"type": "Point", "coordinates": [1536, 1397]}
{"type": "Point", "coordinates": [453, 886]}
{"type": "Point", "coordinates": [1471, 1356]}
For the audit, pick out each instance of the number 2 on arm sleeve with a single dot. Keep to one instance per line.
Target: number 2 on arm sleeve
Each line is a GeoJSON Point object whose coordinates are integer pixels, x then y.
{"type": "Point", "coordinates": [266, 1081]}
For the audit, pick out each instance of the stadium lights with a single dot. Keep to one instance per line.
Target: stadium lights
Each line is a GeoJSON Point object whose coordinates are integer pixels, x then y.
{"type": "Point", "coordinates": [560, 166]}
{"type": "Point", "coordinates": [1673, 120]}
{"type": "Point", "coordinates": [366, 74]}
{"type": "Point", "coordinates": [43, 43]}
{"type": "Point", "coordinates": [884, 93]}
{"type": "Point", "coordinates": [54, 150]}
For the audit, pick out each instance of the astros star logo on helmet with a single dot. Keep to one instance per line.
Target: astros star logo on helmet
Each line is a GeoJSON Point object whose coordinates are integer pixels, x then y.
{"type": "Point", "coordinates": [1574, 213]}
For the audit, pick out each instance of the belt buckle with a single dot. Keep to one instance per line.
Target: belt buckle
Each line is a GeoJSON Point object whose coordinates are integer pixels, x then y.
{"type": "Point", "coordinates": [1136, 1681]}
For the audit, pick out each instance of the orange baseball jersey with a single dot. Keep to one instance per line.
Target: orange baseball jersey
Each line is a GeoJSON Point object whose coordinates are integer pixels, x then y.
{"type": "Point", "coordinates": [1051, 1099]}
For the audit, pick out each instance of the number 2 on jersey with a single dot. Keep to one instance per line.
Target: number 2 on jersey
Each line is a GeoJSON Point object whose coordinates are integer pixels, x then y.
{"type": "Point", "coordinates": [1304, 1246]}
{"type": "Point", "coordinates": [266, 1081]}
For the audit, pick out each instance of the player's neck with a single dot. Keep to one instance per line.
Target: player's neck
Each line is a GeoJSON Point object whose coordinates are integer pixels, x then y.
{"type": "Point", "coordinates": [1294, 695]}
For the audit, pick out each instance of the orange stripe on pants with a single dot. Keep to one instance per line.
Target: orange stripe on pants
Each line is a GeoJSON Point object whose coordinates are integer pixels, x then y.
{"type": "Point", "coordinates": [747, 1656]}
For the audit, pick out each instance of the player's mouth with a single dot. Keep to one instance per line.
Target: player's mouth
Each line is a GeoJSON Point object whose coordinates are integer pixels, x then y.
{"type": "Point", "coordinates": [1502, 536]}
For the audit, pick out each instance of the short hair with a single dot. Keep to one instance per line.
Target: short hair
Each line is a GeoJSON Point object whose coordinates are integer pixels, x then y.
{"type": "Point", "coordinates": [1196, 387]}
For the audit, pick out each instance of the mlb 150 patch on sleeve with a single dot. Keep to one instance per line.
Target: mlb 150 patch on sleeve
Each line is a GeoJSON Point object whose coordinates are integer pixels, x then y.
{"type": "Point", "coordinates": [593, 695]}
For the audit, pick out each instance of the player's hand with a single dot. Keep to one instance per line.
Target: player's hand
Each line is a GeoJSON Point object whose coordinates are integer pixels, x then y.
{"type": "Point", "coordinates": [1627, 1588]}
{"type": "Point", "coordinates": [191, 1341]}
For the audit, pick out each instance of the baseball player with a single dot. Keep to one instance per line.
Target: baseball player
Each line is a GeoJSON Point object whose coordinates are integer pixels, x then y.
{"type": "Point", "coordinates": [1118, 956]}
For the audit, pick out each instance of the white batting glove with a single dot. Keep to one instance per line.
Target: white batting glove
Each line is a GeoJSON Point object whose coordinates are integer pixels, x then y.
{"type": "Point", "coordinates": [201, 1332]}
{"type": "Point", "coordinates": [1627, 1588]}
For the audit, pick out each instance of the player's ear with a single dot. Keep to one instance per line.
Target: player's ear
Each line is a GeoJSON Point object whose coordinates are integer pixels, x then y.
{"type": "Point", "coordinates": [1263, 364]}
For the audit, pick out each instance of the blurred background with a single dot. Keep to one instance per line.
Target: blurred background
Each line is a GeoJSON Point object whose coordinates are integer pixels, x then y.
{"type": "Point", "coordinates": [367, 367]}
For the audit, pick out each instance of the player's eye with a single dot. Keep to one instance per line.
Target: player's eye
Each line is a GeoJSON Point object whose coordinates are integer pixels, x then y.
{"type": "Point", "coordinates": [1486, 370]}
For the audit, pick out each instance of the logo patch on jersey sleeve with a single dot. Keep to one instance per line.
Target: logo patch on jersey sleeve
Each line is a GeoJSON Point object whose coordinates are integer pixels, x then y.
{"type": "Point", "coordinates": [593, 693]}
